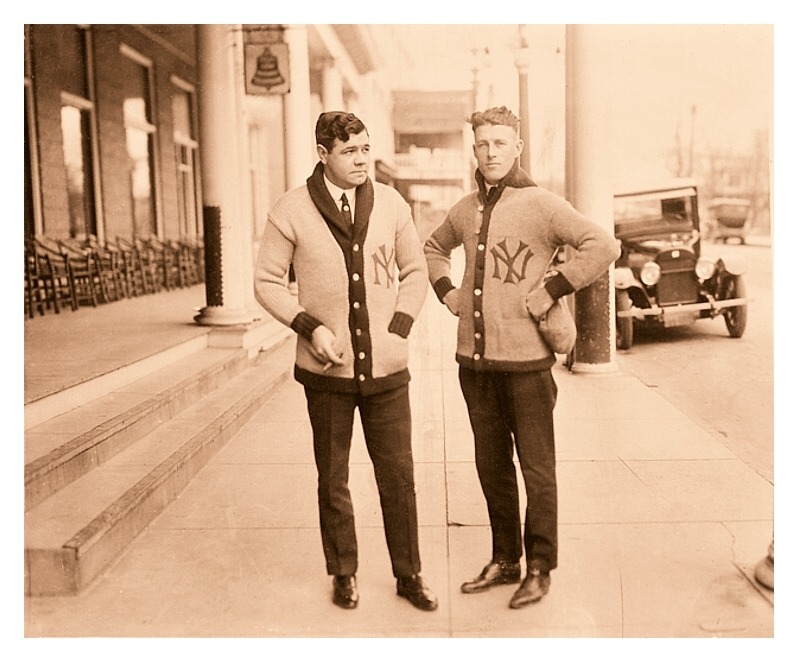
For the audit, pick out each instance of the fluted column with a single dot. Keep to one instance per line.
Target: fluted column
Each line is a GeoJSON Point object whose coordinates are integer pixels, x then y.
{"type": "Point", "coordinates": [589, 185]}
{"type": "Point", "coordinates": [226, 284]}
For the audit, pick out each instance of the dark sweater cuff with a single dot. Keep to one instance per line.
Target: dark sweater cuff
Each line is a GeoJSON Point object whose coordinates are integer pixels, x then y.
{"type": "Point", "coordinates": [442, 287]}
{"type": "Point", "coordinates": [400, 324]}
{"type": "Point", "coordinates": [558, 287]}
{"type": "Point", "coordinates": [305, 324]}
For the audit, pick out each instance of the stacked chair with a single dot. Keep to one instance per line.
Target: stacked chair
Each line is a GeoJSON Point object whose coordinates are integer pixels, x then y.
{"type": "Point", "coordinates": [71, 273]}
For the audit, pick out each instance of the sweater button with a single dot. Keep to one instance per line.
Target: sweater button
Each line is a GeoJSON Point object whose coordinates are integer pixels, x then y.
{"type": "Point", "coordinates": [477, 335]}
{"type": "Point", "coordinates": [477, 291]}
{"type": "Point", "coordinates": [355, 277]}
{"type": "Point", "coordinates": [477, 313]}
{"type": "Point", "coordinates": [477, 357]}
{"type": "Point", "coordinates": [361, 355]}
{"type": "Point", "coordinates": [356, 248]}
{"type": "Point", "coordinates": [356, 305]}
{"type": "Point", "coordinates": [481, 247]}
{"type": "Point", "coordinates": [358, 332]}
{"type": "Point", "coordinates": [362, 378]}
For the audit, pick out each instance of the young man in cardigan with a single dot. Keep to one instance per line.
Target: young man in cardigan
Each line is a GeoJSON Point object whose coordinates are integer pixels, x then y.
{"type": "Point", "coordinates": [509, 229]}
{"type": "Point", "coordinates": [361, 280]}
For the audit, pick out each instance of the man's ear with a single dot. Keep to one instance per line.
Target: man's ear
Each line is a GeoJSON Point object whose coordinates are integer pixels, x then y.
{"type": "Point", "coordinates": [519, 147]}
{"type": "Point", "coordinates": [321, 150]}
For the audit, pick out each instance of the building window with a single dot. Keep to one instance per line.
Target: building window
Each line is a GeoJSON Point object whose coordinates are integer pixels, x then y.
{"type": "Point", "coordinates": [186, 158]}
{"type": "Point", "coordinates": [136, 80]}
{"type": "Point", "coordinates": [77, 146]}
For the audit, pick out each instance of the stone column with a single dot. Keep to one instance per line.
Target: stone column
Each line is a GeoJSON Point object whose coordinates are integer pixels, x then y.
{"type": "Point", "coordinates": [228, 289]}
{"type": "Point", "coordinates": [299, 125]}
{"type": "Point", "coordinates": [588, 184]}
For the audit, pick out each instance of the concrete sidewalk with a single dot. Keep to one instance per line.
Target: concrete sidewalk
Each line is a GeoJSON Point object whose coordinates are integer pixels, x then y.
{"type": "Point", "coordinates": [659, 524]}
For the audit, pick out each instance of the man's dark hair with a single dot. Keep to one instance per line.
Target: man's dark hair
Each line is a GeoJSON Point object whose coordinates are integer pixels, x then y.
{"type": "Point", "coordinates": [336, 124]}
{"type": "Point", "coordinates": [498, 115]}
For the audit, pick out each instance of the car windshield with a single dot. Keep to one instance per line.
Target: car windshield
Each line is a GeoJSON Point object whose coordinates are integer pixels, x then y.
{"type": "Point", "coordinates": [654, 214]}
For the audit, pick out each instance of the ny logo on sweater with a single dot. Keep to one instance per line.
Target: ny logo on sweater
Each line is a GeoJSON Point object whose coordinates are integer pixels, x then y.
{"type": "Point", "coordinates": [515, 263]}
{"type": "Point", "coordinates": [384, 261]}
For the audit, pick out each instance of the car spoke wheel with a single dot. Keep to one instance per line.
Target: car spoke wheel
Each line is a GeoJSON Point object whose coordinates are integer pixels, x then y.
{"type": "Point", "coordinates": [624, 326]}
{"type": "Point", "coordinates": [736, 317]}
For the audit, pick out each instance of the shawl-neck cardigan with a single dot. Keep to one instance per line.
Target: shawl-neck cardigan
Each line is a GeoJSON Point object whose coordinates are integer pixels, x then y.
{"type": "Point", "coordinates": [365, 281]}
{"type": "Point", "coordinates": [509, 238]}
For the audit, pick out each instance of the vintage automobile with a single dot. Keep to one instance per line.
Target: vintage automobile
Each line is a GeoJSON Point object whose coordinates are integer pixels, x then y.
{"type": "Point", "coordinates": [661, 279]}
{"type": "Point", "coordinates": [728, 218]}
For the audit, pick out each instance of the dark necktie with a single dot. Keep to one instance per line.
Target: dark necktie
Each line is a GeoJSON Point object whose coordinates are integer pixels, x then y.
{"type": "Point", "coordinates": [346, 212]}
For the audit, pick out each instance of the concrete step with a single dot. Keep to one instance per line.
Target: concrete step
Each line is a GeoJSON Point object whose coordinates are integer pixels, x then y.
{"type": "Point", "coordinates": [68, 444]}
{"type": "Point", "coordinates": [66, 447]}
{"type": "Point", "coordinates": [72, 535]}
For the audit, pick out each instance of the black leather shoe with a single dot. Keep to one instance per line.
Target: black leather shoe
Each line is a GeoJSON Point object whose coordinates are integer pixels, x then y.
{"type": "Point", "coordinates": [493, 574]}
{"type": "Point", "coordinates": [416, 591]}
{"type": "Point", "coordinates": [345, 591]}
{"type": "Point", "coordinates": [532, 589]}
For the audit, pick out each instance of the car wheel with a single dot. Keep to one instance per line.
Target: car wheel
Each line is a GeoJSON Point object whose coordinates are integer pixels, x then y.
{"type": "Point", "coordinates": [624, 326]}
{"type": "Point", "coordinates": [736, 317]}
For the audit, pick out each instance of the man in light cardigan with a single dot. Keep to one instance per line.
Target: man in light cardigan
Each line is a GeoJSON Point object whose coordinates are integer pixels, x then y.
{"type": "Point", "coordinates": [509, 229]}
{"type": "Point", "coordinates": [361, 281]}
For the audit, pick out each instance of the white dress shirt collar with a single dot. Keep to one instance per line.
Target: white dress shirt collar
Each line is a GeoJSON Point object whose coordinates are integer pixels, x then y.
{"type": "Point", "coordinates": [336, 192]}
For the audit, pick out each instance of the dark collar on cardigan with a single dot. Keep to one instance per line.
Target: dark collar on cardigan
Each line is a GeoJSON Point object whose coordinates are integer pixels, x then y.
{"type": "Point", "coordinates": [516, 178]}
{"type": "Point", "coordinates": [328, 208]}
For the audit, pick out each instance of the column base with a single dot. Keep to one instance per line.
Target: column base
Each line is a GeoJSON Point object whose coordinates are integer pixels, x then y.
{"type": "Point", "coordinates": [594, 368]}
{"type": "Point", "coordinates": [221, 316]}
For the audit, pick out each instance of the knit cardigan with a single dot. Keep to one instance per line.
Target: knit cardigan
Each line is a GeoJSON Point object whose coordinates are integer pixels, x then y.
{"type": "Point", "coordinates": [366, 281]}
{"type": "Point", "coordinates": [509, 239]}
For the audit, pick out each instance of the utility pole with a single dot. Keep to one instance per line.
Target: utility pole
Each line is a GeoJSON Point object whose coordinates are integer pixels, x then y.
{"type": "Point", "coordinates": [692, 141]}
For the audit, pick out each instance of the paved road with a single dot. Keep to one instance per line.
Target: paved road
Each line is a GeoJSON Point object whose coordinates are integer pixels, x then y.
{"type": "Point", "coordinates": [724, 383]}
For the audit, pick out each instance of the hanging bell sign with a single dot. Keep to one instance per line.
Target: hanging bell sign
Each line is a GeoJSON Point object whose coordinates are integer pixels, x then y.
{"type": "Point", "coordinates": [265, 61]}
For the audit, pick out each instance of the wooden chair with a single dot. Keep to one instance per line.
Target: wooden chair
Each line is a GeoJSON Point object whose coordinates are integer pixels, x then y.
{"type": "Point", "coordinates": [189, 263]}
{"type": "Point", "coordinates": [83, 274]}
{"type": "Point", "coordinates": [138, 267]}
{"type": "Point", "coordinates": [51, 277]}
{"type": "Point", "coordinates": [166, 261]}
{"type": "Point", "coordinates": [199, 252]}
{"type": "Point", "coordinates": [112, 283]}
{"type": "Point", "coordinates": [35, 286]}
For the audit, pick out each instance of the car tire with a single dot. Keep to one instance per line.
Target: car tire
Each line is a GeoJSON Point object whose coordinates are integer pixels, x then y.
{"type": "Point", "coordinates": [736, 318]}
{"type": "Point", "coordinates": [624, 326]}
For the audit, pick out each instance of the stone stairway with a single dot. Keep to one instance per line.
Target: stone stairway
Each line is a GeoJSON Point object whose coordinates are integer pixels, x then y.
{"type": "Point", "coordinates": [98, 474]}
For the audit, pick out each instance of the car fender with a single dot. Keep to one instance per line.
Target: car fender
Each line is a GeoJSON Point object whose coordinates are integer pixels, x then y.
{"type": "Point", "coordinates": [624, 278]}
{"type": "Point", "coordinates": [735, 266]}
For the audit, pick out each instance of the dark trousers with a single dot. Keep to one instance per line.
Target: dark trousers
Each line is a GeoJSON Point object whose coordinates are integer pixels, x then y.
{"type": "Point", "coordinates": [515, 411]}
{"type": "Point", "coordinates": [387, 428]}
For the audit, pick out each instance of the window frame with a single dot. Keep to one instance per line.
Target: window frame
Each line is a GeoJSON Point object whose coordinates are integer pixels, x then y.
{"type": "Point", "coordinates": [148, 65]}
{"type": "Point", "coordinates": [33, 140]}
{"type": "Point", "coordinates": [192, 144]}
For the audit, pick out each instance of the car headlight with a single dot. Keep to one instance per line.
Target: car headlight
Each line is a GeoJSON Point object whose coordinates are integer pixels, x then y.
{"type": "Point", "coordinates": [704, 268]}
{"type": "Point", "coordinates": [650, 273]}
{"type": "Point", "coordinates": [624, 278]}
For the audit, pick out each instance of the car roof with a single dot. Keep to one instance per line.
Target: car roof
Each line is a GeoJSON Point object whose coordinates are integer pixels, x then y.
{"type": "Point", "coordinates": [729, 201]}
{"type": "Point", "coordinates": [673, 184]}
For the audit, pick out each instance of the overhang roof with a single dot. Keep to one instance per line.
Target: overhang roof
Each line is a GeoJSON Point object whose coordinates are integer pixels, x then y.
{"type": "Point", "coordinates": [424, 111]}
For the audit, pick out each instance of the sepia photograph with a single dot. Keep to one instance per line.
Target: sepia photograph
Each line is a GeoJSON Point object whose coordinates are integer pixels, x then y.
{"type": "Point", "coordinates": [421, 332]}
